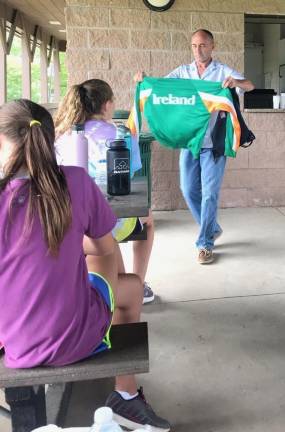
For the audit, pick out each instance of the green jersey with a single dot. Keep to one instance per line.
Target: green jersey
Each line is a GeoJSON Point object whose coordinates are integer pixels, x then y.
{"type": "Point", "coordinates": [178, 112]}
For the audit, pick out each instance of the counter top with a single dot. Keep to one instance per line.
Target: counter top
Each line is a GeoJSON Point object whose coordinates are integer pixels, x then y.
{"type": "Point", "coordinates": [264, 110]}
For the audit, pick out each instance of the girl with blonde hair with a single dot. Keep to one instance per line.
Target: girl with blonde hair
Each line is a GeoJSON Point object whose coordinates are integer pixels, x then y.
{"type": "Point", "coordinates": [92, 104]}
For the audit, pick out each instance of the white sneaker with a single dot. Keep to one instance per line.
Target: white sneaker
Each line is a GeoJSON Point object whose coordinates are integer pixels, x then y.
{"type": "Point", "coordinates": [205, 256]}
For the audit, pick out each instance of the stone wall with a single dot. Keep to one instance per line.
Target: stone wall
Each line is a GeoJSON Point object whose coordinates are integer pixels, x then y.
{"type": "Point", "coordinates": [112, 39]}
{"type": "Point", "coordinates": [257, 176]}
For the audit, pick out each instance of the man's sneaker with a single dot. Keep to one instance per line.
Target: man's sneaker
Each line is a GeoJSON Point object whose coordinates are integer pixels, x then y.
{"type": "Point", "coordinates": [135, 413]}
{"type": "Point", "coordinates": [148, 295]}
{"type": "Point", "coordinates": [205, 256]}
{"type": "Point", "coordinates": [217, 235]}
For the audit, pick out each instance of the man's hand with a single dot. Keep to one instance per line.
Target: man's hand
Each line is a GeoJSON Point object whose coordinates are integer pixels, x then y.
{"type": "Point", "coordinates": [230, 82]}
{"type": "Point", "coordinates": [244, 84]}
{"type": "Point", "coordinates": [139, 76]}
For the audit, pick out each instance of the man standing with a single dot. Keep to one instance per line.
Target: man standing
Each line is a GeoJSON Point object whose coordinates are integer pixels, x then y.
{"type": "Point", "coordinates": [201, 178]}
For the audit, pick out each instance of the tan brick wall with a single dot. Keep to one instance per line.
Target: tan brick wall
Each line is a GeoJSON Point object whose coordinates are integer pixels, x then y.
{"type": "Point", "coordinates": [112, 39]}
{"type": "Point", "coordinates": [257, 176]}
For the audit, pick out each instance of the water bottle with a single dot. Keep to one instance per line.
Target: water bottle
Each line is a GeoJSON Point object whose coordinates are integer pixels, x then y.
{"type": "Point", "coordinates": [118, 168]}
{"type": "Point", "coordinates": [103, 421]}
{"type": "Point", "coordinates": [97, 166]}
{"type": "Point", "coordinates": [101, 172]}
{"type": "Point", "coordinates": [77, 151]}
{"type": "Point", "coordinates": [123, 132]}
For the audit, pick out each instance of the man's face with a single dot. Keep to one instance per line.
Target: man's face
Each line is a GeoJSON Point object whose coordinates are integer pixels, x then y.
{"type": "Point", "coordinates": [202, 47]}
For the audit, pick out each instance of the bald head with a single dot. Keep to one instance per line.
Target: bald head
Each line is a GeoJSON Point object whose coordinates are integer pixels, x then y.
{"type": "Point", "coordinates": [202, 44]}
{"type": "Point", "coordinates": [204, 32]}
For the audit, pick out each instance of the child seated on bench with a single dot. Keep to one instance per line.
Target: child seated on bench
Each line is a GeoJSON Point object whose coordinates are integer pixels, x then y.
{"type": "Point", "coordinates": [92, 104]}
{"type": "Point", "coordinates": [53, 310]}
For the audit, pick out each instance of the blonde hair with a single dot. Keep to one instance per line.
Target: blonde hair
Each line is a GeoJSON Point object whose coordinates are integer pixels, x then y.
{"type": "Point", "coordinates": [80, 104]}
{"type": "Point", "coordinates": [30, 127]}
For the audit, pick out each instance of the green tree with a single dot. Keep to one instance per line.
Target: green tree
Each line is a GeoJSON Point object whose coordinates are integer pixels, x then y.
{"type": "Point", "coordinates": [63, 74]}
{"type": "Point", "coordinates": [14, 73]}
{"type": "Point", "coordinates": [36, 77]}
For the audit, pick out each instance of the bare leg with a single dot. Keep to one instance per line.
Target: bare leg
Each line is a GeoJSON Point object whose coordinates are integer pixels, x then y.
{"type": "Point", "coordinates": [128, 302]}
{"type": "Point", "coordinates": [142, 249]}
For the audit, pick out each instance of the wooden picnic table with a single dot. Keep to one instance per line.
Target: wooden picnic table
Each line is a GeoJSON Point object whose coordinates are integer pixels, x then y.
{"type": "Point", "coordinates": [134, 204]}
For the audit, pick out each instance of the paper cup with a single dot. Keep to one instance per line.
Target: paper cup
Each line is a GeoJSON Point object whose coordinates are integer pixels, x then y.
{"type": "Point", "coordinates": [276, 102]}
{"type": "Point", "coordinates": [282, 101]}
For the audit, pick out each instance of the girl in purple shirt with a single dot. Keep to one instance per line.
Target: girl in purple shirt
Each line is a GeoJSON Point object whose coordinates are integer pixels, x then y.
{"type": "Point", "coordinates": [53, 310]}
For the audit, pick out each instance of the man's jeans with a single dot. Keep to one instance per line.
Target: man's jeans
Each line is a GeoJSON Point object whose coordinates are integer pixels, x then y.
{"type": "Point", "coordinates": [200, 183]}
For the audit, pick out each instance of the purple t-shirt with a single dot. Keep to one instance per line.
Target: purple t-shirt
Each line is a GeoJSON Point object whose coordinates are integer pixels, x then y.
{"type": "Point", "coordinates": [49, 313]}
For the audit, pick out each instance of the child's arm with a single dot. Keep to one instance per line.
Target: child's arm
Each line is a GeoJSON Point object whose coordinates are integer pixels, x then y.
{"type": "Point", "coordinates": [101, 257]}
{"type": "Point", "coordinates": [99, 247]}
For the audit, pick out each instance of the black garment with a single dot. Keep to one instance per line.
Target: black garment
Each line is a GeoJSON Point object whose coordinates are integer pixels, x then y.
{"type": "Point", "coordinates": [218, 134]}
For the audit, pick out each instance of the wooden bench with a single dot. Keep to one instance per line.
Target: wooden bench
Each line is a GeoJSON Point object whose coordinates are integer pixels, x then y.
{"type": "Point", "coordinates": [25, 390]}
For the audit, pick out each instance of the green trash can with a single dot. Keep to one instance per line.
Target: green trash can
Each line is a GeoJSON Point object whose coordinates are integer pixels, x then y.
{"type": "Point", "coordinates": [121, 115]}
{"type": "Point", "coordinates": [145, 140]}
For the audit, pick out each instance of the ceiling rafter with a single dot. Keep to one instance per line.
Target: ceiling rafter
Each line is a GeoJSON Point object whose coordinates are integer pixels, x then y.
{"type": "Point", "coordinates": [41, 12]}
{"type": "Point", "coordinates": [13, 21]}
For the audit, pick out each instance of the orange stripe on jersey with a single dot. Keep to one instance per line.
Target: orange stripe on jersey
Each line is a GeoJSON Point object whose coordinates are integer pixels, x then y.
{"type": "Point", "coordinates": [222, 106]}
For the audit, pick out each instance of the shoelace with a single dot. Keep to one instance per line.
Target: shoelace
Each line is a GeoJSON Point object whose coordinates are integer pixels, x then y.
{"type": "Point", "coordinates": [141, 395]}
{"type": "Point", "coordinates": [204, 251]}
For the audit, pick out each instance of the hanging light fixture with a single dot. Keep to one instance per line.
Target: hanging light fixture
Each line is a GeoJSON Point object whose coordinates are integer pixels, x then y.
{"type": "Point", "coordinates": [158, 5]}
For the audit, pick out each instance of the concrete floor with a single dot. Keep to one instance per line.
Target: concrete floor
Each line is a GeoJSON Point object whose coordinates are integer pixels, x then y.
{"type": "Point", "coordinates": [217, 340]}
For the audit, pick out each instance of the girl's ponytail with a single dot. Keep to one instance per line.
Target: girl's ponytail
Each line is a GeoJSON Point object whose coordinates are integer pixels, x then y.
{"type": "Point", "coordinates": [71, 110]}
{"type": "Point", "coordinates": [49, 192]}
{"type": "Point", "coordinates": [30, 128]}
{"type": "Point", "coordinates": [81, 103]}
